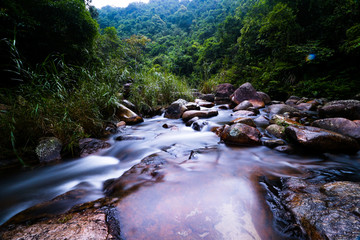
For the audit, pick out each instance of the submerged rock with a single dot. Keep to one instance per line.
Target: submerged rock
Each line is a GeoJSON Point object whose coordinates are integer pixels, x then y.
{"type": "Point", "coordinates": [240, 134]}
{"type": "Point", "coordinates": [349, 109]}
{"type": "Point", "coordinates": [318, 139]}
{"type": "Point", "coordinates": [49, 150]}
{"type": "Point", "coordinates": [89, 146]}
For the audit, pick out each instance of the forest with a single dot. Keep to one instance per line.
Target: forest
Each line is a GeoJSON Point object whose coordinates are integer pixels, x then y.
{"type": "Point", "coordinates": [65, 64]}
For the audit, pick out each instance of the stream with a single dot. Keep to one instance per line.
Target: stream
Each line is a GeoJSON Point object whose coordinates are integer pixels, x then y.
{"type": "Point", "coordinates": [211, 191]}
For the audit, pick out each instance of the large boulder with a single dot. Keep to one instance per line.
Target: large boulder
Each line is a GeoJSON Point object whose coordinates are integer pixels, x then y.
{"type": "Point", "coordinates": [224, 91]}
{"type": "Point", "coordinates": [247, 92]}
{"type": "Point", "coordinates": [199, 113]}
{"type": "Point", "coordinates": [340, 125]}
{"type": "Point", "coordinates": [176, 109]}
{"type": "Point", "coordinates": [349, 109]}
{"type": "Point", "coordinates": [240, 134]}
{"type": "Point", "coordinates": [49, 150]}
{"type": "Point", "coordinates": [127, 115]}
{"type": "Point", "coordinates": [323, 210]}
{"type": "Point", "coordinates": [318, 139]}
{"type": "Point", "coordinates": [90, 146]}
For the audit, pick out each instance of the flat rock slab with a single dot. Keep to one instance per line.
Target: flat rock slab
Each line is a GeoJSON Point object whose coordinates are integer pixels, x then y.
{"type": "Point", "coordinates": [325, 211]}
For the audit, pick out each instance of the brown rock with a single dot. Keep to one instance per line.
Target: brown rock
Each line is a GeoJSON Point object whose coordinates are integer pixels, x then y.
{"type": "Point", "coordinates": [176, 109]}
{"type": "Point", "coordinates": [240, 134]}
{"type": "Point", "coordinates": [247, 92]}
{"type": "Point", "coordinates": [244, 113]}
{"type": "Point", "coordinates": [264, 97]}
{"type": "Point", "coordinates": [199, 113]}
{"type": "Point", "coordinates": [203, 103]}
{"type": "Point", "coordinates": [244, 105]}
{"type": "Point", "coordinates": [340, 125]}
{"type": "Point", "coordinates": [224, 90]}
{"type": "Point", "coordinates": [244, 120]}
{"type": "Point", "coordinates": [281, 109]}
{"type": "Point", "coordinates": [276, 130]}
{"type": "Point", "coordinates": [128, 116]}
{"type": "Point", "coordinates": [318, 139]}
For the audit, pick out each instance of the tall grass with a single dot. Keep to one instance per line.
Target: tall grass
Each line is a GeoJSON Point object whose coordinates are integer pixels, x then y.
{"type": "Point", "coordinates": [152, 89]}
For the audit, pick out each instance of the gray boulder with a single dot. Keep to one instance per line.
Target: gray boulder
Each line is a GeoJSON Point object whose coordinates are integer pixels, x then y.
{"type": "Point", "coordinates": [349, 109]}
{"type": "Point", "coordinates": [49, 150]}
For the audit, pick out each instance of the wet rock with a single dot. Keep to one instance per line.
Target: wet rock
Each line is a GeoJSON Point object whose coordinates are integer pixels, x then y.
{"type": "Point", "coordinates": [120, 124]}
{"type": "Point", "coordinates": [224, 91]}
{"type": "Point", "coordinates": [247, 92]}
{"type": "Point", "coordinates": [349, 109]}
{"type": "Point", "coordinates": [145, 172]}
{"type": "Point", "coordinates": [283, 121]}
{"type": "Point", "coordinates": [244, 120]}
{"type": "Point", "coordinates": [340, 125]}
{"type": "Point", "coordinates": [90, 146]}
{"type": "Point", "coordinates": [264, 97]}
{"type": "Point", "coordinates": [199, 113]}
{"type": "Point", "coordinates": [305, 107]}
{"type": "Point", "coordinates": [318, 139]}
{"type": "Point", "coordinates": [240, 134]}
{"type": "Point", "coordinates": [224, 106]}
{"type": "Point", "coordinates": [191, 121]}
{"type": "Point", "coordinates": [276, 130]}
{"type": "Point", "coordinates": [192, 106]}
{"type": "Point", "coordinates": [49, 150]}
{"type": "Point", "coordinates": [128, 116]}
{"type": "Point", "coordinates": [129, 138]}
{"type": "Point", "coordinates": [88, 224]}
{"type": "Point", "coordinates": [176, 109]}
{"type": "Point", "coordinates": [244, 105]}
{"type": "Point", "coordinates": [199, 125]}
{"type": "Point", "coordinates": [203, 103]}
{"type": "Point", "coordinates": [272, 143]}
{"type": "Point", "coordinates": [281, 109]}
{"type": "Point", "coordinates": [243, 113]}
{"type": "Point", "coordinates": [324, 211]}
{"type": "Point", "coordinates": [261, 121]}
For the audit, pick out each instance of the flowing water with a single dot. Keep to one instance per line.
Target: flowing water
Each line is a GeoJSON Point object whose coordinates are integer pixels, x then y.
{"type": "Point", "coordinates": [210, 191]}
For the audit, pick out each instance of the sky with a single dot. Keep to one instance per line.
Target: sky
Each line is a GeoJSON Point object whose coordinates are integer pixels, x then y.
{"type": "Point", "coordinates": [114, 3]}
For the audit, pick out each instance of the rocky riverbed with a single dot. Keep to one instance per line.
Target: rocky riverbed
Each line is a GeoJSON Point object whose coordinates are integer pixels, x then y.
{"type": "Point", "coordinates": [233, 165]}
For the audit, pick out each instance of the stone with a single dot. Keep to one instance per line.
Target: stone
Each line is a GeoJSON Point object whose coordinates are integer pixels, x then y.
{"type": "Point", "coordinates": [292, 100]}
{"type": "Point", "coordinates": [120, 124]}
{"type": "Point", "coordinates": [272, 143]}
{"type": "Point", "coordinates": [129, 138]}
{"type": "Point", "coordinates": [176, 109]}
{"type": "Point", "coordinates": [322, 140]}
{"type": "Point", "coordinates": [283, 121]}
{"type": "Point", "coordinates": [49, 150]}
{"type": "Point", "coordinates": [127, 115]}
{"type": "Point", "coordinates": [349, 109]}
{"type": "Point", "coordinates": [247, 92]}
{"type": "Point", "coordinates": [90, 146]}
{"type": "Point", "coordinates": [199, 125]}
{"type": "Point", "coordinates": [264, 97]}
{"type": "Point", "coordinates": [203, 103]}
{"type": "Point", "coordinates": [244, 120]}
{"type": "Point", "coordinates": [207, 97]}
{"type": "Point", "coordinates": [199, 113]}
{"type": "Point", "coordinates": [288, 149]}
{"type": "Point", "coordinates": [276, 130]}
{"type": "Point", "coordinates": [192, 106]}
{"type": "Point", "coordinates": [240, 134]}
{"type": "Point", "coordinates": [224, 91]}
{"type": "Point", "coordinates": [305, 107]}
{"type": "Point", "coordinates": [340, 125]}
{"type": "Point", "coordinates": [281, 109]}
{"type": "Point", "coordinates": [244, 105]}
{"type": "Point", "coordinates": [324, 210]}
{"type": "Point", "coordinates": [128, 104]}
{"type": "Point", "coordinates": [191, 121]}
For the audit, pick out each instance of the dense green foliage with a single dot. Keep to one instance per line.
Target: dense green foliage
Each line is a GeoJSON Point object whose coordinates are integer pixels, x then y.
{"type": "Point", "coordinates": [64, 63]}
{"type": "Point", "coordinates": [304, 47]}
